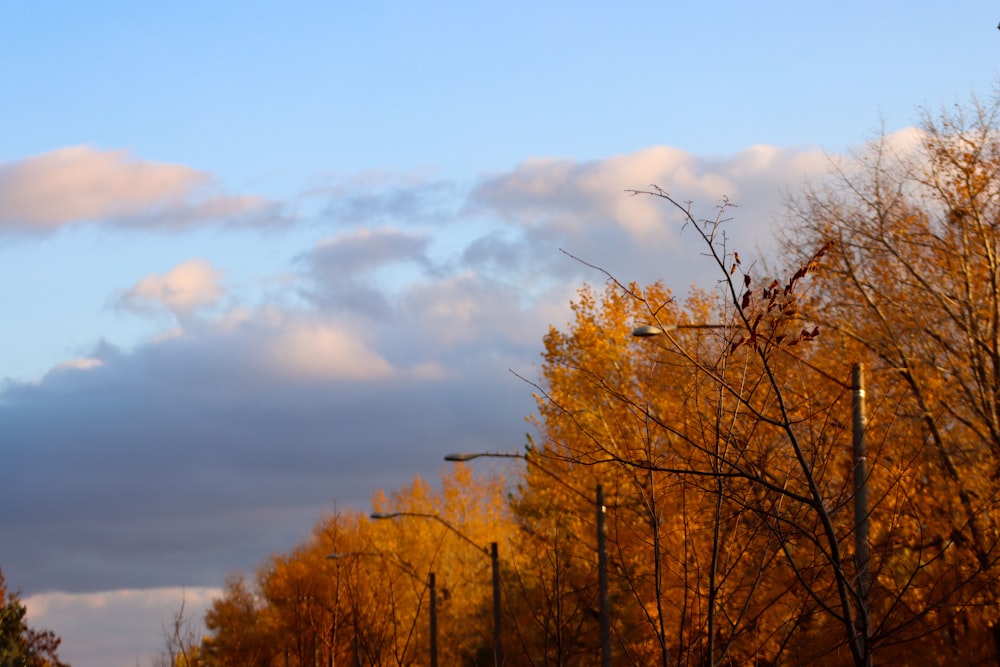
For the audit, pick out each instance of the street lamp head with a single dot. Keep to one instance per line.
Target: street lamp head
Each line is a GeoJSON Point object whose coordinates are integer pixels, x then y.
{"type": "Point", "coordinates": [383, 515]}
{"type": "Point", "coordinates": [647, 330]}
{"type": "Point", "coordinates": [461, 456]}
{"type": "Point", "coordinates": [468, 456]}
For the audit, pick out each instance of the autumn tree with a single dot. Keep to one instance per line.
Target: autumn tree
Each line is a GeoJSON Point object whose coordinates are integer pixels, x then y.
{"type": "Point", "coordinates": [21, 645]}
{"type": "Point", "coordinates": [727, 450]}
{"type": "Point", "coordinates": [357, 591]}
{"type": "Point", "coordinates": [727, 446]}
{"type": "Point", "coordinates": [913, 284]}
{"type": "Point", "coordinates": [295, 611]}
{"type": "Point", "coordinates": [696, 562]}
{"type": "Point", "coordinates": [238, 634]}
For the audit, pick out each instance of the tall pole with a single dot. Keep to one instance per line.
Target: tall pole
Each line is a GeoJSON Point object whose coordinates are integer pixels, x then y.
{"type": "Point", "coordinates": [862, 555]}
{"type": "Point", "coordinates": [602, 579]}
{"type": "Point", "coordinates": [497, 646]}
{"type": "Point", "coordinates": [434, 620]}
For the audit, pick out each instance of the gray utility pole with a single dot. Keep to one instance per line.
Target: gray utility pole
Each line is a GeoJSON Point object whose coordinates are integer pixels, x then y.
{"type": "Point", "coordinates": [862, 555]}
{"type": "Point", "coordinates": [602, 579]}
{"type": "Point", "coordinates": [431, 584]}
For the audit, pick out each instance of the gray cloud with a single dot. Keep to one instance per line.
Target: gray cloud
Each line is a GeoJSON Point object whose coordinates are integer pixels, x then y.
{"type": "Point", "coordinates": [373, 198]}
{"type": "Point", "coordinates": [177, 462]}
{"type": "Point", "coordinates": [583, 208]}
{"type": "Point", "coordinates": [341, 270]}
{"type": "Point", "coordinates": [206, 450]}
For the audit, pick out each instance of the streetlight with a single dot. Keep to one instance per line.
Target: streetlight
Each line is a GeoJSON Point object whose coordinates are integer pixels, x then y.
{"type": "Point", "coordinates": [647, 330]}
{"type": "Point", "coordinates": [431, 585]}
{"type": "Point", "coordinates": [468, 456]}
{"type": "Point", "coordinates": [492, 552]}
{"type": "Point", "coordinates": [602, 543]}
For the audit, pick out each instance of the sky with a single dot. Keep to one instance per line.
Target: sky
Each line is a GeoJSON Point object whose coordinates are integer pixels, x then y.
{"type": "Point", "coordinates": [260, 263]}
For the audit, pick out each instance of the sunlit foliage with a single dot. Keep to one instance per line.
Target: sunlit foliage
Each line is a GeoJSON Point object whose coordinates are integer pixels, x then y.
{"type": "Point", "coordinates": [358, 589]}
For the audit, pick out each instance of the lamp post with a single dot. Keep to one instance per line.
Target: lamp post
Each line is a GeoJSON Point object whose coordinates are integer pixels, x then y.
{"type": "Point", "coordinates": [431, 584]}
{"type": "Point", "coordinates": [602, 543]}
{"type": "Point", "coordinates": [862, 556]}
{"type": "Point", "coordinates": [602, 579]}
{"type": "Point", "coordinates": [492, 552]}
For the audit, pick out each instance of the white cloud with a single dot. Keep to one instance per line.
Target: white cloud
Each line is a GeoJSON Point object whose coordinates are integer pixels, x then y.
{"type": "Point", "coordinates": [575, 194]}
{"type": "Point", "coordinates": [79, 364]}
{"type": "Point", "coordinates": [323, 351]}
{"type": "Point", "coordinates": [585, 208]}
{"type": "Point", "coordinates": [119, 628]}
{"type": "Point", "coordinates": [85, 184]}
{"type": "Point", "coordinates": [183, 289]}
{"type": "Point", "coordinates": [906, 140]}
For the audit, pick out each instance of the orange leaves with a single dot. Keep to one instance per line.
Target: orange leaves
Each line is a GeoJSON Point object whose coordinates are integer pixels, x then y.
{"type": "Point", "coordinates": [662, 423]}
{"type": "Point", "coordinates": [359, 587]}
{"type": "Point", "coordinates": [913, 289]}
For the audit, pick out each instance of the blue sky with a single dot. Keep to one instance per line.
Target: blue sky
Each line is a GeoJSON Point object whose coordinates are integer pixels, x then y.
{"type": "Point", "coordinates": [236, 237]}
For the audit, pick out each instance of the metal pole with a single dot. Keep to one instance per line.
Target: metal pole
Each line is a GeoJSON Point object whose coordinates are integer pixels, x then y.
{"type": "Point", "coordinates": [862, 556]}
{"type": "Point", "coordinates": [497, 647]}
{"type": "Point", "coordinates": [602, 578]}
{"type": "Point", "coordinates": [434, 620]}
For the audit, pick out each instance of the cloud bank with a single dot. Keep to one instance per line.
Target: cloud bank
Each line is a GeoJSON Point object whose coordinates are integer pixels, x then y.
{"type": "Point", "coordinates": [223, 438]}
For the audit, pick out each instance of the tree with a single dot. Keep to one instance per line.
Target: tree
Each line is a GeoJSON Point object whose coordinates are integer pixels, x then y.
{"type": "Point", "coordinates": [237, 636]}
{"type": "Point", "coordinates": [358, 591]}
{"type": "Point", "coordinates": [913, 284]}
{"type": "Point", "coordinates": [20, 645]}
{"type": "Point", "coordinates": [728, 453]}
{"type": "Point", "coordinates": [685, 437]}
